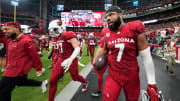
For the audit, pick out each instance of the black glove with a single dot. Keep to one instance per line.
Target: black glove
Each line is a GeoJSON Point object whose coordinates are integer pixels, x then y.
{"type": "Point", "coordinates": [50, 55]}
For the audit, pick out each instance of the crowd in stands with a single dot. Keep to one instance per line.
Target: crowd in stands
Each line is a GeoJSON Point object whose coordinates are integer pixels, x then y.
{"type": "Point", "coordinates": [157, 35]}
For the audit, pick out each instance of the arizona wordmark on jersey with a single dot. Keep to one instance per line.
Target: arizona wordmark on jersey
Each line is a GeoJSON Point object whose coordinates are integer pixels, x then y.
{"type": "Point", "coordinates": [121, 40]}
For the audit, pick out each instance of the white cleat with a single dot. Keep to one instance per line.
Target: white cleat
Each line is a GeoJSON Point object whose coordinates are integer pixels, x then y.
{"type": "Point", "coordinates": [84, 89]}
{"type": "Point", "coordinates": [44, 86]}
{"type": "Point", "coordinates": [82, 65]}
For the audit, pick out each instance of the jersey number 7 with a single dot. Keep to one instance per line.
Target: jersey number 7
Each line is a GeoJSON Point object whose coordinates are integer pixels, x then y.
{"type": "Point", "coordinates": [121, 49]}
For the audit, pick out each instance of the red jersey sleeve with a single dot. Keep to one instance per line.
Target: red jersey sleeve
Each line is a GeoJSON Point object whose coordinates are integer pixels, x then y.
{"type": "Point", "coordinates": [137, 26]}
{"type": "Point", "coordinates": [101, 43]}
{"type": "Point", "coordinates": [30, 48]}
{"type": "Point", "coordinates": [69, 35]}
{"type": "Point", "coordinates": [104, 30]}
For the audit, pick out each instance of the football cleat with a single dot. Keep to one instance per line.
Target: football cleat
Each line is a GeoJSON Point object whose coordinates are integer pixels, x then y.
{"type": "Point", "coordinates": [44, 86]}
{"type": "Point", "coordinates": [171, 73]}
{"type": "Point", "coordinates": [96, 94]}
{"type": "Point", "coordinates": [84, 88]}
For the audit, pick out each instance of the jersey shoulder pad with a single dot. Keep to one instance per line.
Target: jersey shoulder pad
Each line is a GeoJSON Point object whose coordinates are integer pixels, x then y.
{"type": "Point", "coordinates": [137, 26]}
{"type": "Point", "coordinates": [69, 35]}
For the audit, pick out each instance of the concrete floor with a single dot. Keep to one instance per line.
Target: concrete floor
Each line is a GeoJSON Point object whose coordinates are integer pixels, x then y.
{"type": "Point", "coordinates": [169, 85]}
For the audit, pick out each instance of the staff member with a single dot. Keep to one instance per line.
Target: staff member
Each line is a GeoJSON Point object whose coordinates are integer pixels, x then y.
{"type": "Point", "coordinates": [22, 55]}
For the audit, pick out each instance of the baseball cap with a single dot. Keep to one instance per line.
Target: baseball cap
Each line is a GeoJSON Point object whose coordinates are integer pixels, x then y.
{"type": "Point", "coordinates": [13, 24]}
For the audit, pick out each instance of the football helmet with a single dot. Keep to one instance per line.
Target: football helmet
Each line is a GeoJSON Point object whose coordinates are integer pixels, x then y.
{"type": "Point", "coordinates": [56, 28]}
{"type": "Point", "coordinates": [44, 37]}
{"type": "Point", "coordinates": [146, 97]}
{"type": "Point", "coordinates": [78, 37]}
{"type": "Point", "coordinates": [91, 35]}
{"type": "Point", "coordinates": [26, 29]}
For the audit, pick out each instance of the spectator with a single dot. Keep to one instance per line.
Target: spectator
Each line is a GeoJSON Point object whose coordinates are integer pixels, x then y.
{"type": "Point", "coordinates": [169, 53]}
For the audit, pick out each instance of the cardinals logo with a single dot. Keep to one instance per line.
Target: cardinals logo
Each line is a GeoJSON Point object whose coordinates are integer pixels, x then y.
{"type": "Point", "coordinates": [59, 23]}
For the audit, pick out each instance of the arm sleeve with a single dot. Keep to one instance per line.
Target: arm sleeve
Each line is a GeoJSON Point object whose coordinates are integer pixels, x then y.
{"type": "Point", "coordinates": [148, 65]}
{"type": "Point", "coordinates": [33, 54]}
{"type": "Point", "coordinates": [75, 53]}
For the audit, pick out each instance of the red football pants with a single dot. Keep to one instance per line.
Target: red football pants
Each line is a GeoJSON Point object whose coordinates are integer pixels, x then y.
{"type": "Point", "coordinates": [130, 83]}
{"type": "Point", "coordinates": [47, 48]}
{"type": "Point", "coordinates": [54, 58]}
{"type": "Point", "coordinates": [100, 77]}
{"type": "Point", "coordinates": [42, 46]}
{"type": "Point", "coordinates": [80, 52]}
{"type": "Point", "coordinates": [92, 49]}
{"type": "Point", "coordinates": [100, 74]}
{"type": "Point", "coordinates": [57, 72]}
{"type": "Point", "coordinates": [88, 49]}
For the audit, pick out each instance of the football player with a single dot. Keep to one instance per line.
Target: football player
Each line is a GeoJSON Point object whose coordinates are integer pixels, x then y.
{"type": "Point", "coordinates": [68, 51]}
{"type": "Point", "coordinates": [87, 47]}
{"type": "Point", "coordinates": [80, 41]}
{"type": "Point", "coordinates": [100, 72]}
{"type": "Point", "coordinates": [22, 55]}
{"type": "Point", "coordinates": [91, 42]}
{"type": "Point", "coordinates": [125, 42]}
{"type": "Point", "coordinates": [54, 32]}
{"type": "Point", "coordinates": [44, 43]}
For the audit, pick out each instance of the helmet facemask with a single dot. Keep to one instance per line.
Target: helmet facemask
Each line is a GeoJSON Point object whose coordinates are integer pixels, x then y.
{"type": "Point", "coordinates": [91, 35]}
{"type": "Point", "coordinates": [78, 37]}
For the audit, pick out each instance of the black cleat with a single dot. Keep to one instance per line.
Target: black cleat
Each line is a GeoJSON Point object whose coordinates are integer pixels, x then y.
{"type": "Point", "coordinates": [96, 94]}
{"type": "Point", "coordinates": [167, 67]}
{"type": "Point", "coordinates": [171, 73]}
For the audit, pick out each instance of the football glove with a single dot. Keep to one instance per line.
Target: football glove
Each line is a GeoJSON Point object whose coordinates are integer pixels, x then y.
{"type": "Point", "coordinates": [66, 64]}
{"type": "Point", "coordinates": [153, 92]}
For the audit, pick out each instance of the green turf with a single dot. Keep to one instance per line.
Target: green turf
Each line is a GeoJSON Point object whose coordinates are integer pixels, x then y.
{"type": "Point", "coordinates": [34, 93]}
